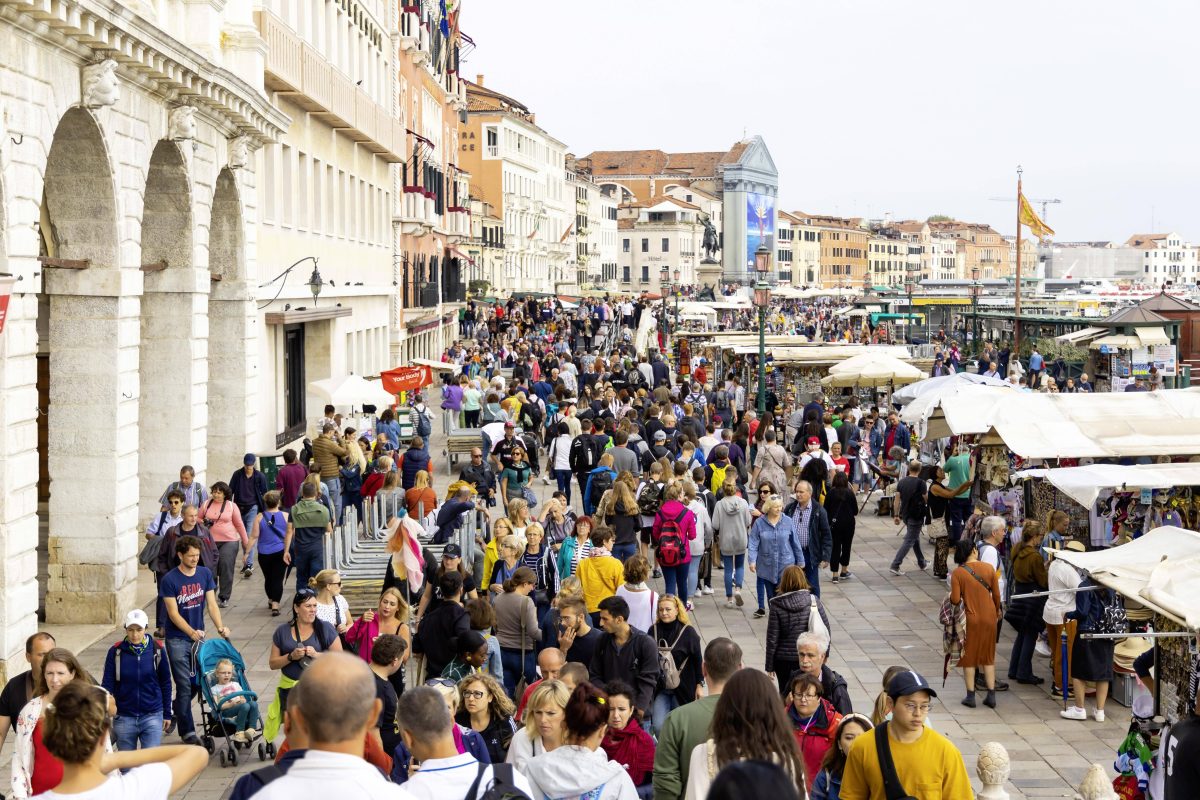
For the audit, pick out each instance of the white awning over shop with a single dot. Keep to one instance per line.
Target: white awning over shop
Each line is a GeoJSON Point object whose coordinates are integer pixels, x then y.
{"type": "Point", "coordinates": [1084, 484]}
{"type": "Point", "coordinates": [1101, 425]}
{"type": "Point", "coordinates": [1081, 336]}
{"type": "Point", "coordinates": [1120, 341]}
{"type": "Point", "coordinates": [1160, 569]}
{"type": "Point", "coordinates": [1152, 336]}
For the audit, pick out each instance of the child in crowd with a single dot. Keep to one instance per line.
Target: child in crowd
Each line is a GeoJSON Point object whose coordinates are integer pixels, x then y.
{"type": "Point", "coordinates": [243, 714]}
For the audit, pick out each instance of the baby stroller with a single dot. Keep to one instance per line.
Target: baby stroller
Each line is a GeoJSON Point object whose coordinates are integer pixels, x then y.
{"type": "Point", "coordinates": [206, 655]}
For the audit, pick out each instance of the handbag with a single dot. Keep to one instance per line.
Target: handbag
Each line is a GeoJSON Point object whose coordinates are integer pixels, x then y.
{"type": "Point", "coordinates": [530, 497]}
{"type": "Point", "coordinates": [892, 788]}
{"type": "Point", "coordinates": [815, 622]}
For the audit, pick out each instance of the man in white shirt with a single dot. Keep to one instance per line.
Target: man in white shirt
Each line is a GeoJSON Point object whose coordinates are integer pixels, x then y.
{"type": "Point", "coordinates": [991, 534]}
{"type": "Point", "coordinates": [428, 732]}
{"type": "Point", "coordinates": [334, 712]}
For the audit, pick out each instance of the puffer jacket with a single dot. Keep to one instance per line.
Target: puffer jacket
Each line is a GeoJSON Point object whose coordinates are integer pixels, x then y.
{"type": "Point", "coordinates": [731, 523]}
{"type": "Point", "coordinates": [414, 461]}
{"type": "Point", "coordinates": [788, 619]}
{"type": "Point", "coordinates": [815, 736]}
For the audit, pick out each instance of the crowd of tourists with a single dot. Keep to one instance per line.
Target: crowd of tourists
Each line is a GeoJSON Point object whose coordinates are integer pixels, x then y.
{"type": "Point", "coordinates": [549, 664]}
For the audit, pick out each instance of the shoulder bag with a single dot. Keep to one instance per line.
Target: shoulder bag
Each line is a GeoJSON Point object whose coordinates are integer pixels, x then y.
{"type": "Point", "coordinates": [892, 788]}
{"type": "Point", "coordinates": [815, 622]}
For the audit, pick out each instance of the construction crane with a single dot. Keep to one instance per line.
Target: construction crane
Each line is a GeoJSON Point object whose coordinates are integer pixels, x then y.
{"type": "Point", "coordinates": [1043, 201]}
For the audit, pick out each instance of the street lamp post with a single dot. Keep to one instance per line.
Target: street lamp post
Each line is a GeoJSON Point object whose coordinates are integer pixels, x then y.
{"type": "Point", "coordinates": [976, 288]}
{"type": "Point", "coordinates": [910, 283]}
{"type": "Point", "coordinates": [676, 287]}
{"type": "Point", "coordinates": [762, 299]}
{"type": "Point", "coordinates": [664, 283]}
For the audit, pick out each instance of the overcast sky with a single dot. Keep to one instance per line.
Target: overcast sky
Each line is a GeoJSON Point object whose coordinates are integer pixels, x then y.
{"type": "Point", "coordinates": [871, 107]}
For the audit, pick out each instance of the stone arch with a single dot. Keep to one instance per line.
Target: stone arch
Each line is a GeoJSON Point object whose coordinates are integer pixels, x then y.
{"type": "Point", "coordinates": [232, 338]}
{"type": "Point", "coordinates": [80, 194]}
{"type": "Point", "coordinates": [174, 305]}
{"type": "Point", "coordinates": [92, 349]}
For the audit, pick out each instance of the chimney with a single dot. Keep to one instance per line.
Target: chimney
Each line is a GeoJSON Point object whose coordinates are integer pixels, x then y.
{"type": "Point", "coordinates": [479, 79]}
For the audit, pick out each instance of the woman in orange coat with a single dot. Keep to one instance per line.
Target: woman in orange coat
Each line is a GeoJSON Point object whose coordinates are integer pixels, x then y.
{"type": "Point", "coordinates": [974, 584]}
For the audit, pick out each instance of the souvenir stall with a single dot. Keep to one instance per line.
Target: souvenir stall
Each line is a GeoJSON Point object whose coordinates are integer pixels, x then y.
{"type": "Point", "coordinates": [1161, 572]}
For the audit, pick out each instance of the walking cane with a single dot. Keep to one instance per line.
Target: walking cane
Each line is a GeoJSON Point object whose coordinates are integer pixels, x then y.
{"type": "Point", "coordinates": [1063, 668]}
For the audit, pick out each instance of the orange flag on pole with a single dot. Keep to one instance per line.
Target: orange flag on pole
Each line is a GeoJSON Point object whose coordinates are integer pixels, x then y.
{"type": "Point", "coordinates": [1031, 220]}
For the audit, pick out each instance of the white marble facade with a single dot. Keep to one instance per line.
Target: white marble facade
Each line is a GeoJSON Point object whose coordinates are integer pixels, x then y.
{"type": "Point", "coordinates": [127, 211]}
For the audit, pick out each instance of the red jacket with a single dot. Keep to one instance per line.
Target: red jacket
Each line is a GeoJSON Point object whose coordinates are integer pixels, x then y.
{"type": "Point", "coordinates": [633, 749]}
{"type": "Point", "coordinates": [816, 737]}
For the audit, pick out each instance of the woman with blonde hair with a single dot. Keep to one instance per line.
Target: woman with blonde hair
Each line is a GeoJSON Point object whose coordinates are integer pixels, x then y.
{"type": "Point", "coordinates": [501, 528]}
{"type": "Point", "coordinates": [539, 557]}
{"type": "Point", "coordinates": [505, 566]}
{"type": "Point", "coordinates": [673, 631]}
{"type": "Point", "coordinates": [487, 710]}
{"type": "Point", "coordinates": [1057, 524]}
{"type": "Point", "coordinates": [331, 606]}
{"type": "Point", "coordinates": [619, 510]}
{"type": "Point", "coordinates": [544, 729]}
{"type": "Point", "coordinates": [421, 498]}
{"type": "Point", "coordinates": [519, 517]}
{"type": "Point", "coordinates": [389, 617]}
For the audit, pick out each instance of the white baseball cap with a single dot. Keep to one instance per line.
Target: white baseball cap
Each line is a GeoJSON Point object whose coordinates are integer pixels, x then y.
{"type": "Point", "coordinates": [137, 617]}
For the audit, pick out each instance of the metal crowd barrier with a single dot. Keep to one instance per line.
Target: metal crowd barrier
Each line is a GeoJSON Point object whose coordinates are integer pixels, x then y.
{"type": "Point", "coordinates": [360, 552]}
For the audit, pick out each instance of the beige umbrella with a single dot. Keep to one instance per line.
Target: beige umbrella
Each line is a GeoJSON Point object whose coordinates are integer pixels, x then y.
{"type": "Point", "coordinates": [871, 369]}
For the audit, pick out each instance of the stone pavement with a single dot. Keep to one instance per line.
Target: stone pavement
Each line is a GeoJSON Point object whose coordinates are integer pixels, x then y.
{"type": "Point", "coordinates": [878, 620]}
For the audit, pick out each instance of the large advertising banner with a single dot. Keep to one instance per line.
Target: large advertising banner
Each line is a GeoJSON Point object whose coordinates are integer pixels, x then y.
{"type": "Point", "coordinates": [760, 225]}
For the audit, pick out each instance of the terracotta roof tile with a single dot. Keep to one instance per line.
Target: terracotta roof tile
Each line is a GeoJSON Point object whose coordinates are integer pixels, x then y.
{"type": "Point", "coordinates": [658, 162]}
{"type": "Point", "coordinates": [1146, 241]}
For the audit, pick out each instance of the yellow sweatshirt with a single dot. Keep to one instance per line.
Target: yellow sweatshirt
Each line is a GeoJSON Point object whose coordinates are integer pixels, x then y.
{"type": "Point", "coordinates": [600, 577]}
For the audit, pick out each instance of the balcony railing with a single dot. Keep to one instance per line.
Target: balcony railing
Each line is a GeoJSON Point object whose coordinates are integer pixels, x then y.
{"type": "Point", "coordinates": [295, 67]}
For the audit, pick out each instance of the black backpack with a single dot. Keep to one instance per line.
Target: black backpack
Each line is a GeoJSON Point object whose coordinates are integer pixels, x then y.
{"type": "Point", "coordinates": [582, 458]}
{"type": "Point", "coordinates": [502, 787]}
{"type": "Point", "coordinates": [601, 483]}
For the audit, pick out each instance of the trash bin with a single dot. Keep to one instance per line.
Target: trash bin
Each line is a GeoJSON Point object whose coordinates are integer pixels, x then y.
{"type": "Point", "coordinates": [270, 468]}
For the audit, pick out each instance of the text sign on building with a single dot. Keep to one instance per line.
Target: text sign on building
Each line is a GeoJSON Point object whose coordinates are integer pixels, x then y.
{"type": "Point", "coordinates": [1160, 355]}
{"type": "Point", "coordinates": [6, 287]}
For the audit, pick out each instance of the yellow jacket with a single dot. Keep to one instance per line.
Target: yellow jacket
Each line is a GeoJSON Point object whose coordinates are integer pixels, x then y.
{"type": "Point", "coordinates": [600, 577]}
{"type": "Point", "coordinates": [491, 554]}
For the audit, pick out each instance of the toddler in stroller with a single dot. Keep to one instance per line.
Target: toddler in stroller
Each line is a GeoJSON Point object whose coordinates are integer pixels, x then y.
{"type": "Point", "coordinates": [244, 715]}
{"type": "Point", "coordinates": [228, 706]}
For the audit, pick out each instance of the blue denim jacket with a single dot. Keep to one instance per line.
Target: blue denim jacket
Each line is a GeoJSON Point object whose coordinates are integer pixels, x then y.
{"type": "Point", "coordinates": [774, 547]}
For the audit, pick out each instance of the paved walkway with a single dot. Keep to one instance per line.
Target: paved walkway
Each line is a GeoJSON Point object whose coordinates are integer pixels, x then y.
{"type": "Point", "coordinates": [878, 620]}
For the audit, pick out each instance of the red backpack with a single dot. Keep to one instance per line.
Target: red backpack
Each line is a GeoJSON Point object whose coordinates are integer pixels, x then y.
{"type": "Point", "coordinates": [671, 543]}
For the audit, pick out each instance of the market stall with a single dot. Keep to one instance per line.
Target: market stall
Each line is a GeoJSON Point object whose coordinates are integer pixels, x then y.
{"type": "Point", "coordinates": [1161, 572]}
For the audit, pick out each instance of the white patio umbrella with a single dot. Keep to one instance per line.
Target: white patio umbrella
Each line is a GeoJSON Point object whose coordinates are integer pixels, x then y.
{"type": "Point", "coordinates": [352, 390]}
{"type": "Point", "coordinates": [871, 369]}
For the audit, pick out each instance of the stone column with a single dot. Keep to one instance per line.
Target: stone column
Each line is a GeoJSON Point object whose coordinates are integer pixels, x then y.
{"type": "Point", "coordinates": [232, 375]}
{"type": "Point", "coordinates": [174, 369]}
{"type": "Point", "coordinates": [93, 444]}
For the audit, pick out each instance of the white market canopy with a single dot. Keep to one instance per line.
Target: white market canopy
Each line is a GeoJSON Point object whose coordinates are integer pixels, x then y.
{"type": "Point", "coordinates": [1083, 484]}
{"type": "Point", "coordinates": [1100, 425]}
{"type": "Point", "coordinates": [1145, 336]}
{"type": "Point", "coordinates": [693, 309]}
{"type": "Point", "coordinates": [1160, 569]}
{"type": "Point", "coordinates": [969, 410]}
{"type": "Point", "coordinates": [944, 385]}
{"type": "Point", "coordinates": [352, 390]}
{"type": "Point", "coordinates": [871, 369]}
{"type": "Point", "coordinates": [437, 366]}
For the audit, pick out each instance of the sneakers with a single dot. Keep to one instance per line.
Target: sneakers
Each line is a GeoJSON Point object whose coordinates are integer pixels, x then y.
{"type": "Point", "coordinates": [546, 479]}
{"type": "Point", "coordinates": [981, 684]}
{"type": "Point", "coordinates": [846, 576]}
{"type": "Point", "coordinates": [688, 605]}
{"type": "Point", "coordinates": [729, 603]}
{"type": "Point", "coordinates": [1099, 715]}
{"type": "Point", "coordinates": [191, 738]}
{"type": "Point", "coordinates": [223, 603]}
{"type": "Point", "coordinates": [1042, 648]}
{"type": "Point", "coordinates": [707, 590]}
{"type": "Point", "coordinates": [760, 613]}
{"type": "Point", "coordinates": [1075, 712]}
{"type": "Point", "coordinates": [737, 597]}
{"type": "Point", "coordinates": [834, 578]}
{"type": "Point", "coordinates": [657, 573]}
{"type": "Point", "coordinates": [897, 572]}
